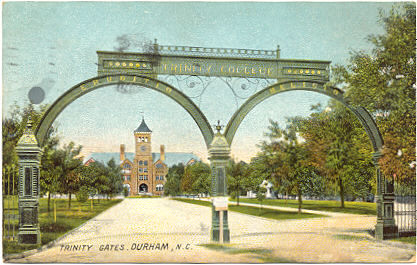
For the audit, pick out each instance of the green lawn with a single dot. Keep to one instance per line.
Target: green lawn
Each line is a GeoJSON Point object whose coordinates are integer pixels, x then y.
{"type": "Point", "coordinates": [409, 240]}
{"type": "Point", "coordinates": [67, 219]}
{"type": "Point", "coordinates": [256, 211]}
{"type": "Point", "coordinates": [367, 208]}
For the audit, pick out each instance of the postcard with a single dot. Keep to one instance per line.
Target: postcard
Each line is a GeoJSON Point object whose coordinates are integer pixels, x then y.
{"type": "Point", "coordinates": [209, 132]}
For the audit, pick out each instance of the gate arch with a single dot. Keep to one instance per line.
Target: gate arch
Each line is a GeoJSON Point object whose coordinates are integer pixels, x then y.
{"type": "Point", "coordinates": [361, 113]}
{"type": "Point", "coordinates": [128, 79]}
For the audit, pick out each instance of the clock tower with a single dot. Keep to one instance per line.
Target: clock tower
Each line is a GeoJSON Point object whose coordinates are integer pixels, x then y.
{"type": "Point", "coordinates": [143, 162]}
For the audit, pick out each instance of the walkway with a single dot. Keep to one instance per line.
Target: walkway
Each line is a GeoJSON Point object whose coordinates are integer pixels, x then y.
{"type": "Point", "coordinates": [163, 230]}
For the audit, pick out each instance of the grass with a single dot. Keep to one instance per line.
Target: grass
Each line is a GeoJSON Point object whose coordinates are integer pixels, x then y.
{"type": "Point", "coordinates": [367, 208]}
{"type": "Point", "coordinates": [350, 237]}
{"type": "Point", "coordinates": [265, 255]}
{"type": "Point", "coordinates": [67, 219]}
{"type": "Point", "coordinates": [409, 240]}
{"type": "Point", "coordinates": [256, 211]}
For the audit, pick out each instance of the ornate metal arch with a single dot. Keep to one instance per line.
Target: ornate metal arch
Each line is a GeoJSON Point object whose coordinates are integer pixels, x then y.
{"type": "Point", "coordinates": [316, 86]}
{"type": "Point", "coordinates": [129, 79]}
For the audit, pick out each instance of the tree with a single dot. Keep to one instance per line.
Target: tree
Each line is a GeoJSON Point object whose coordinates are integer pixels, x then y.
{"type": "Point", "coordinates": [384, 83]}
{"type": "Point", "coordinates": [236, 173]}
{"type": "Point", "coordinates": [290, 157]}
{"type": "Point", "coordinates": [173, 184]}
{"type": "Point", "coordinates": [192, 173]}
{"type": "Point", "coordinates": [338, 146]}
{"type": "Point", "coordinates": [66, 161]}
{"type": "Point", "coordinates": [13, 125]}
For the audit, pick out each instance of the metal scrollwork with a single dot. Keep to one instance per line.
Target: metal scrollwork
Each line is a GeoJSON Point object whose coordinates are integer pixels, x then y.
{"type": "Point", "coordinates": [243, 88]}
{"type": "Point", "coordinates": [193, 86]}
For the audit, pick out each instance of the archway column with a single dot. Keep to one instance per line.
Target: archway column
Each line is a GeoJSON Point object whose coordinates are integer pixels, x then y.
{"type": "Point", "coordinates": [29, 154]}
{"type": "Point", "coordinates": [219, 154]}
{"type": "Point", "coordinates": [385, 227]}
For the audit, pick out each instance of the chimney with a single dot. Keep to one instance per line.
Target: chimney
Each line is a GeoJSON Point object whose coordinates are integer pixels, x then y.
{"type": "Point", "coordinates": [162, 152]}
{"type": "Point", "coordinates": [122, 152]}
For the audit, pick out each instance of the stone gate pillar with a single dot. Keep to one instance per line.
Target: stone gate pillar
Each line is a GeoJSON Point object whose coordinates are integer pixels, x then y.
{"type": "Point", "coordinates": [29, 155]}
{"type": "Point", "coordinates": [219, 154]}
{"type": "Point", "coordinates": [385, 225]}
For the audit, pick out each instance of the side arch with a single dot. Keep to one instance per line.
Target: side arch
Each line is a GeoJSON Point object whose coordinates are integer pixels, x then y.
{"type": "Point", "coordinates": [127, 79]}
{"type": "Point", "coordinates": [320, 87]}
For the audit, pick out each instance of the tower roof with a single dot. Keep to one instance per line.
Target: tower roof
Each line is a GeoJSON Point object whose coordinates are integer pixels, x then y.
{"type": "Point", "coordinates": [143, 128]}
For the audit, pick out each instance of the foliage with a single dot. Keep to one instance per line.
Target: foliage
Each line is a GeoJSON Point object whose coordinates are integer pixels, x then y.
{"type": "Point", "coordinates": [173, 180]}
{"type": "Point", "coordinates": [82, 194]}
{"type": "Point", "coordinates": [237, 175]}
{"type": "Point", "coordinates": [384, 83]}
{"type": "Point", "coordinates": [67, 163]}
{"type": "Point", "coordinates": [196, 179]}
{"type": "Point", "coordinates": [288, 157]}
{"type": "Point", "coordinates": [13, 126]}
{"type": "Point", "coordinates": [339, 149]}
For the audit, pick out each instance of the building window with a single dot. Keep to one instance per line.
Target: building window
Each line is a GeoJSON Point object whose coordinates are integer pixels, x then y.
{"type": "Point", "coordinates": [157, 177]}
{"type": "Point", "coordinates": [140, 170]}
{"type": "Point", "coordinates": [146, 139]}
{"type": "Point", "coordinates": [159, 165]}
{"type": "Point", "coordinates": [127, 166]}
{"type": "Point", "coordinates": [145, 163]}
{"type": "Point", "coordinates": [145, 169]}
{"type": "Point", "coordinates": [145, 177]}
{"type": "Point", "coordinates": [140, 162]}
{"type": "Point", "coordinates": [159, 187]}
{"type": "Point", "coordinates": [161, 177]}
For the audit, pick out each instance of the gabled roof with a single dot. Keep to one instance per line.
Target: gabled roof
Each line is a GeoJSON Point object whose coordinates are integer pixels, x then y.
{"type": "Point", "coordinates": [170, 158]}
{"type": "Point", "coordinates": [143, 128]}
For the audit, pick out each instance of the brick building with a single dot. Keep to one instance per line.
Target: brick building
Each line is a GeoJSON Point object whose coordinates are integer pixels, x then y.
{"type": "Point", "coordinates": [144, 172]}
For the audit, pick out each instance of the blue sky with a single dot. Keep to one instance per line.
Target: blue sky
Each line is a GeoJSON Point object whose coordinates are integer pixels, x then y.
{"type": "Point", "coordinates": [53, 45]}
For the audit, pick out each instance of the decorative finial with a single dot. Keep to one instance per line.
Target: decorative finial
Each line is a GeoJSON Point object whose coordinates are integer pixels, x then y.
{"type": "Point", "coordinates": [143, 114]}
{"type": "Point", "coordinates": [218, 127]}
{"type": "Point", "coordinates": [29, 123]}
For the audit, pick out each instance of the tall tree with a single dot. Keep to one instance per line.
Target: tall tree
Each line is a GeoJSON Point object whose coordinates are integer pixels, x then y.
{"type": "Point", "coordinates": [236, 173]}
{"type": "Point", "coordinates": [173, 184]}
{"type": "Point", "coordinates": [288, 153]}
{"type": "Point", "coordinates": [68, 163]}
{"type": "Point", "coordinates": [384, 83]}
{"type": "Point", "coordinates": [338, 146]}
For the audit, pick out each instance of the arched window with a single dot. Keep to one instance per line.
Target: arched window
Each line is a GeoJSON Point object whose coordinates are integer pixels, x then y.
{"type": "Point", "coordinates": [140, 162]}
{"type": "Point", "coordinates": [140, 170]}
{"type": "Point", "coordinates": [145, 162]}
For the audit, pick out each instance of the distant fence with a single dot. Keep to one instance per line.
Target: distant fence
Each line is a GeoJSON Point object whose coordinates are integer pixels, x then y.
{"type": "Point", "coordinates": [10, 203]}
{"type": "Point", "coordinates": [405, 207]}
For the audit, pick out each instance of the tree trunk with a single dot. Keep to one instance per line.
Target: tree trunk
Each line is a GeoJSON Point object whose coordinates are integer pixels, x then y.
{"type": "Point", "coordinates": [69, 200]}
{"type": "Point", "coordinates": [342, 193]}
{"type": "Point", "coordinates": [237, 195]}
{"type": "Point", "coordinates": [49, 202]}
{"type": "Point", "coordinates": [300, 200]}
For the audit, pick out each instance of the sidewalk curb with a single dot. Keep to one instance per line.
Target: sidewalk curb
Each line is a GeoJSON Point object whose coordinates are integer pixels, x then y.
{"type": "Point", "coordinates": [52, 243]}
